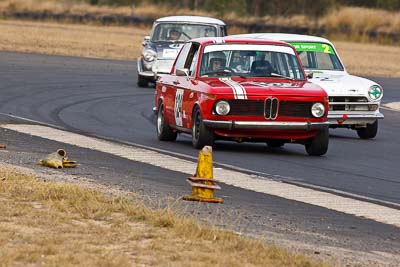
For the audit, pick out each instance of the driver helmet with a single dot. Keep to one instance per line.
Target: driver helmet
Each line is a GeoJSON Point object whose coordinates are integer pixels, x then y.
{"type": "Point", "coordinates": [217, 60]}
{"type": "Point", "coordinates": [174, 34]}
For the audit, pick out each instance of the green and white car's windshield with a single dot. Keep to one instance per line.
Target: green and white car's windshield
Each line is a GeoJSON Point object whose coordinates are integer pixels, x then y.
{"type": "Point", "coordinates": [247, 60]}
{"type": "Point", "coordinates": [317, 56]}
{"type": "Point", "coordinates": [181, 32]}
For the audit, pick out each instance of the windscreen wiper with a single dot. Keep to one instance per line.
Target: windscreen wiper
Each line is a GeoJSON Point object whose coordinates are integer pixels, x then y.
{"type": "Point", "coordinates": [280, 76]}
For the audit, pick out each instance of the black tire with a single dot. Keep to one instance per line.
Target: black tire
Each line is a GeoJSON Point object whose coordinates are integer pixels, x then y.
{"type": "Point", "coordinates": [275, 143]}
{"type": "Point", "coordinates": [368, 132]}
{"type": "Point", "coordinates": [201, 136]}
{"type": "Point", "coordinates": [142, 81]}
{"type": "Point", "coordinates": [319, 144]}
{"type": "Point", "coordinates": [164, 131]}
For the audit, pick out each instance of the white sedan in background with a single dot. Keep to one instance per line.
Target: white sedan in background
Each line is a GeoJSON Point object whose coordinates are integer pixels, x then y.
{"type": "Point", "coordinates": [353, 101]}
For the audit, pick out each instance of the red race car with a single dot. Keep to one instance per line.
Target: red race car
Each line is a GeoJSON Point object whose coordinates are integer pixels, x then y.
{"type": "Point", "coordinates": [241, 90]}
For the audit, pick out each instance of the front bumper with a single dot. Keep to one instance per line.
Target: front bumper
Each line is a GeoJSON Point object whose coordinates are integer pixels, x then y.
{"type": "Point", "coordinates": [142, 72]}
{"type": "Point", "coordinates": [266, 125]}
{"type": "Point", "coordinates": [353, 119]}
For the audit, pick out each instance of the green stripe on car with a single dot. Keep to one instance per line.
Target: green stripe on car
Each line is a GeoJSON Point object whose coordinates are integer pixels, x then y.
{"type": "Point", "coordinates": [313, 47]}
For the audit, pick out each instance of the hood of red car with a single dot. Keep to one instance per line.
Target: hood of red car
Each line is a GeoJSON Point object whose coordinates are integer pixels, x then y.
{"type": "Point", "coordinates": [263, 87]}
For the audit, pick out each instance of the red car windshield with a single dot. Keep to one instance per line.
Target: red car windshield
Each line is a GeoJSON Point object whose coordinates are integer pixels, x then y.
{"type": "Point", "coordinates": [246, 60]}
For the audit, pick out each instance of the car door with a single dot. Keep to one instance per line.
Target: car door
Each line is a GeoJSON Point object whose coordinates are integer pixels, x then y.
{"type": "Point", "coordinates": [176, 90]}
{"type": "Point", "coordinates": [183, 85]}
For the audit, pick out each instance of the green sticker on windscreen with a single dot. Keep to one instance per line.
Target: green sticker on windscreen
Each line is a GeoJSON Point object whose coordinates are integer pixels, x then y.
{"type": "Point", "coordinates": [313, 47]}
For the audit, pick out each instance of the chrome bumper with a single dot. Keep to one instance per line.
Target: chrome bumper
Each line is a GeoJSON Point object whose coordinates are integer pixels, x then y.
{"type": "Point", "coordinates": [266, 125]}
{"type": "Point", "coordinates": [141, 72]}
{"type": "Point", "coordinates": [354, 118]}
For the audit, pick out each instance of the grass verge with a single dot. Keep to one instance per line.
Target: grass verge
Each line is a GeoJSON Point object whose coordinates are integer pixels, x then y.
{"type": "Point", "coordinates": [60, 224]}
{"type": "Point", "coordinates": [72, 39]}
{"type": "Point", "coordinates": [123, 42]}
{"type": "Point", "coordinates": [356, 20]}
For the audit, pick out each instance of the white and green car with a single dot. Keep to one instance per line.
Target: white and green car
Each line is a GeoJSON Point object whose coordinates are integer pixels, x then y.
{"type": "Point", "coordinates": [353, 101]}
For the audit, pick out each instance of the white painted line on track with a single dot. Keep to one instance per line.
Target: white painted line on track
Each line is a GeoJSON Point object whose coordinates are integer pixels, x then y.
{"type": "Point", "coordinates": [393, 106]}
{"type": "Point", "coordinates": [255, 183]}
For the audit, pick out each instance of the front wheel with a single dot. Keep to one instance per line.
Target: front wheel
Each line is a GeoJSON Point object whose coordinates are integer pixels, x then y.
{"type": "Point", "coordinates": [368, 132]}
{"type": "Point", "coordinates": [164, 131]}
{"type": "Point", "coordinates": [142, 81]}
{"type": "Point", "coordinates": [201, 136]}
{"type": "Point", "coordinates": [319, 144]}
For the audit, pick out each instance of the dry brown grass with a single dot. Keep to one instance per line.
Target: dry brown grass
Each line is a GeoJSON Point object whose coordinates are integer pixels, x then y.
{"type": "Point", "coordinates": [68, 6]}
{"type": "Point", "coordinates": [370, 59]}
{"type": "Point", "coordinates": [58, 224]}
{"type": "Point", "coordinates": [358, 19]}
{"type": "Point", "coordinates": [125, 43]}
{"type": "Point", "coordinates": [72, 40]}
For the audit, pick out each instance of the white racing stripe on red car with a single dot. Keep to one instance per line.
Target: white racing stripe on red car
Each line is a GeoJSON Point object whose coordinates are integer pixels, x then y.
{"type": "Point", "coordinates": [238, 90]}
{"type": "Point", "coordinates": [233, 89]}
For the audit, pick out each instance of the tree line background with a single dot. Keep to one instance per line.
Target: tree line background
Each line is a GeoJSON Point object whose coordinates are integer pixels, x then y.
{"type": "Point", "coordinates": [258, 8]}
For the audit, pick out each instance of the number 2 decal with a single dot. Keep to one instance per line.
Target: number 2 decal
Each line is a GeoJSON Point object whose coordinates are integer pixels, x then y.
{"type": "Point", "coordinates": [178, 107]}
{"type": "Point", "coordinates": [326, 48]}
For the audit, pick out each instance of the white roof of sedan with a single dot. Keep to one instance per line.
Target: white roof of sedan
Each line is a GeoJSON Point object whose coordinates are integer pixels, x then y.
{"type": "Point", "coordinates": [196, 19]}
{"type": "Point", "coordinates": [286, 37]}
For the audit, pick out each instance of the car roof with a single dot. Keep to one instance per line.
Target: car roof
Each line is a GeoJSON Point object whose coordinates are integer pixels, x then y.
{"type": "Point", "coordinates": [229, 39]}
{"type": "Point", "coordinates": [195, 19]}
{"type": "Point", "coordinates": [286, 37]}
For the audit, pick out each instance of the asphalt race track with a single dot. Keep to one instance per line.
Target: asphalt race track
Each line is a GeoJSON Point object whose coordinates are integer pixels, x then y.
{"type": "Point", "coordinates": [101, 97]}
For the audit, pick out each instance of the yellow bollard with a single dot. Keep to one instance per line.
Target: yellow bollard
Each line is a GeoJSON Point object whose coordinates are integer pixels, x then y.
{"type": "Point", "coordinates": [54, 160]}
{"type": "Point", "coordinates": [58, 160]}
{"type": "Point", "coordinates": [203, 184]}
{"type": "Point", "coordinates": [69, 163]}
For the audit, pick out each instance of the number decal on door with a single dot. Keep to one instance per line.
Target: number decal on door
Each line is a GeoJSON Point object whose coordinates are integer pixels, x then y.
{"type": "Point", "coordinates": [178, 107]}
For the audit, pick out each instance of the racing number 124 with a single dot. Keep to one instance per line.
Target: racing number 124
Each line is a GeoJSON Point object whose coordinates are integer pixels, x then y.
{"type": "Point", "coordinates": [178, 107]}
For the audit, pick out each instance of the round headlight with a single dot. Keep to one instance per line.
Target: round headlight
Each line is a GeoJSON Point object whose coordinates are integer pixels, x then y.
{"type": "Point", "coordinates": [375, 92]}
{"type": "Point", "coordinates": [222, 108]}
{"type": "Point", "coordinates": [318, 110]}
{"type": "Point", "coordinates": [149, 55]}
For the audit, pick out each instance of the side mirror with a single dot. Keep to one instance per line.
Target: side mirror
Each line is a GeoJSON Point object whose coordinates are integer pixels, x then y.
{"type": "Point", "coordinates": [182, 72]}
{"type": "Point", "coordinates": [146, 40]}
{"type": "Point", "coordinates": [310, 75]}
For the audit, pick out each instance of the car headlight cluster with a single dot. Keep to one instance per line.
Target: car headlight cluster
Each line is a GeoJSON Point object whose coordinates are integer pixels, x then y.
{"type": "Point", "coordinates": [318, 110]}
{"type": "Point", "coordinates": [222, 108]}
{"type": "Point", "coordinates": [149, 55]}
{"type": "Point", "coordinates": [375, 92]}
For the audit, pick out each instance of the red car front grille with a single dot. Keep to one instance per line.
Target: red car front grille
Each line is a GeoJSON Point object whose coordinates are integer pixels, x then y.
{"type": "Point", "coordinates": [270, 109]}
{"type": "Point", "coordinates": [295, 109]}
{"type": "Point", "coordinates": [246, 107]}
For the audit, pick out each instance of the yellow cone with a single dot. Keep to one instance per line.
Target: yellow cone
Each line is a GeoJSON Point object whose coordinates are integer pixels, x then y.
{"type": "Point", "coordinates": [203, 184]}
